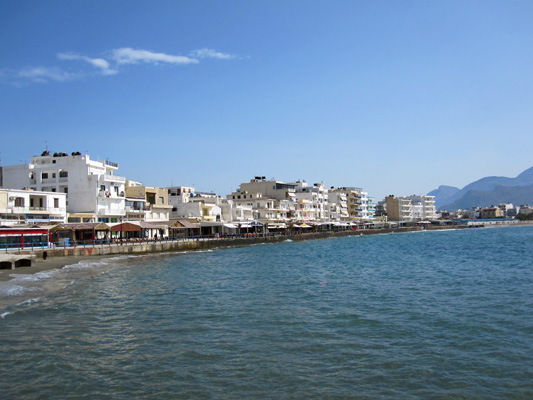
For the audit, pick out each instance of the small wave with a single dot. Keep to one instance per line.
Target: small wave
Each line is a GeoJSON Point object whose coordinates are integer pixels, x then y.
{"type": "Point", "coordinates": [6, 313]}
{"type": "Point", "coordinates": [33, 277]}
{"type": "Point", "coordinates": [30, 301]}
{"type": "Point", "coordinates": [86, 264]}
{"type": "Point", "coordinates": [289, 240]}
{"type": "Point", "coordinates": [8, 289]}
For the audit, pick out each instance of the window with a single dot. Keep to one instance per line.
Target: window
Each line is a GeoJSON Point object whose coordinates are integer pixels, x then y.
{"type": "Point", "coordinates": [19, 202]}
{"type": "Point", "coordinates": [63, 174]}
{"type": "Point", "coordinates": [56, 203]}
{"type": "Point", "coordinates": [53, 189]}
{"type": "Point", "coordinates": [161, 200]}
{"type": "Point", "coordinates": [44, 175]}
{"type": "Point", "coordinates": [53, 175]}
{"type": "Point", "coordinates": [102, 188]}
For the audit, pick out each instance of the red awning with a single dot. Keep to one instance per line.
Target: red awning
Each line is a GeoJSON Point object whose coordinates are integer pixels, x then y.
{"type": "Point", "coordinates": [126, 227]}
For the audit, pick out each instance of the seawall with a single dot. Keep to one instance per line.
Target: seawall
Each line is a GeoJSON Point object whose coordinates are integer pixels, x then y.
{"type": "Point", "coordinates": [191, 244]}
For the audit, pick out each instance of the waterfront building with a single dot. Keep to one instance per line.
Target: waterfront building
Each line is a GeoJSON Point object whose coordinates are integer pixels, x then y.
{"type": "Point", "coordinates": [269, 189]}
{"type": "Point", "coordinates": [148, 204]}
{"type": "Point", "coordinates": [310, 202]}
{"type": "Point", "coordinates": [338, 205]}
{"type": "Point", "coordinates": [31, 207]}
{"type": "Point", "coordinates": [185, 202]}
{"type": "Point", "coordinates": [371, 208]}
{"type": "Point", "coordinates": [398, 209]}
{"type": "Point", "coordinates": [411, 208]}
{"type": "Point", "coordinates": [491, 212]}
{"type": "Point", "coordinates": [93, 191]}
{"type": "Point", "coordinates": [526, 210]}
{"type": "Point", "coordinates": [269, 200]}
{"type": "Point", "coordinates": [353, 197]}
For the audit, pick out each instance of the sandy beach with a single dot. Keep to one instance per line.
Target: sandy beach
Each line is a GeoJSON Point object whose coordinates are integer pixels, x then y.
{"type": "Point", "coordinates": [41, 265]}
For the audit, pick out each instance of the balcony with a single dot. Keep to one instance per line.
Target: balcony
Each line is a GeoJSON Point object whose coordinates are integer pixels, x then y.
{"type": "Point", "coordinates": [111, 164]}
{"type": "Point", "coordinates": [112, 178]}
{"type": "Point", "coordinates": [137, 209]}
{"type": "Point", "coordinates": [35, 210]}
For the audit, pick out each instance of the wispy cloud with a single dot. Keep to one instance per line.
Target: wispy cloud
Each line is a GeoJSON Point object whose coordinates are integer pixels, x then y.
{"type": "Point", "coordinates": [127, 55]}
{"type": "Point", "coordinates": [100, 63]}
{"type": "Point", "coordinates": [210, 53]}
{"type": "Point", "coordinates": [43, 74]}
{"type": "Point", "coordinates": [108, 65]}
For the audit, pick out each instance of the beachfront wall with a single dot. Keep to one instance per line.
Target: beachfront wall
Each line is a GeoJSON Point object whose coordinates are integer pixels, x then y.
{"type": "Point", "coordinates": [201, 243]}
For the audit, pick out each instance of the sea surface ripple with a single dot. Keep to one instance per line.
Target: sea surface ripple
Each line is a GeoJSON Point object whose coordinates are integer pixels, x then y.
{"type": "Point", "coordinates": [421, 315]}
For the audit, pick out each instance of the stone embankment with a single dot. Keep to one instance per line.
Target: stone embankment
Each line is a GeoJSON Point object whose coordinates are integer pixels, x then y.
{"type": "Point", "coordinates": [191, 244]}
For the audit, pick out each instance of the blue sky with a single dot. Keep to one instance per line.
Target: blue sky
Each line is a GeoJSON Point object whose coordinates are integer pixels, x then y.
{"type": "Point", "coordinates": [395, 97]}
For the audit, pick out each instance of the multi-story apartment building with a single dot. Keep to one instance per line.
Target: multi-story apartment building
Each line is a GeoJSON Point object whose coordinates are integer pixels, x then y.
{"type": "Point", "coordinates": [353, 197]}
{"type": "Point", "coordinates": [269, 189]}
{"type": "Point", "coordinates": [399, 209]}
{"type": "Point", "coordinates": [310, 202]}
{"type": "Point", "coordinates": [29, 206]}
{"type": "Point", "coordinates": [410, 208]}
{"type": "Point", "coordinates": [149, 204]}
{"type": "Point", "coordinates": [269, 200]}
{"type": "Point", "coordinates": [338, 205]}
{"type": "Point", "coordinates": [94, 192]}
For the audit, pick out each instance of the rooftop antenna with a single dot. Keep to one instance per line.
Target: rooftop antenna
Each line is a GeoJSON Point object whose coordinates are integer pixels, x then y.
{"type": "Point", "coordinates": [46, 144]}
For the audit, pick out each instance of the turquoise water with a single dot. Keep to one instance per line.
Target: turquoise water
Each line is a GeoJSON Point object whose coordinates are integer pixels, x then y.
{"type": "Point", "coordinates": [445, 314]}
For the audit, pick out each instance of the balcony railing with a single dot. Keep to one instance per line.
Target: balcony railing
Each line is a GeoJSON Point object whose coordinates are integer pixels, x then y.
{"type": "Point", "coordinates": [112, 178]}
{"type": "Point", "coordinates": [20, 210]}
{"type": "Point", "coordinates": [111, 164]}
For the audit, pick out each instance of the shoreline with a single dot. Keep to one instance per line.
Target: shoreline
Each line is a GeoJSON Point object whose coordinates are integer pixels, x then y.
{"type": "Point", "coordinates": [59, 258]}
{"type": "Point", "coordinates": [50, 264]}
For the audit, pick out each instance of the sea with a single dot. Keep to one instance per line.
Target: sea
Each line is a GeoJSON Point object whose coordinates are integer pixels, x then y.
{"type": "Point", "coordinates": [421, 315]}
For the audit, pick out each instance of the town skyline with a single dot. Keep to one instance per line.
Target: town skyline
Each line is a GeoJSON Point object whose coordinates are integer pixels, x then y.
{"type": "Point", "coordinates": [394, 98]}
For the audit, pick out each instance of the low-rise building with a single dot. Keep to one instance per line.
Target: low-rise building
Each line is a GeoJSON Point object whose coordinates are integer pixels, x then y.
{"type": "Point", "coordinates": [31, 207]}
{"type": "Point", "coordinates": [144, 203]}
{"type": "Point", "coordinates": [491, 212]}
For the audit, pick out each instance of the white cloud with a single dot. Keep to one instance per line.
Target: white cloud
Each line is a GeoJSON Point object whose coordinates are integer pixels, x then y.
{"type": "Point", "coordinates": [99, 63]}
{"type": "Point", "coordinates": [210, 53]}
{"type": "Point", "coordinates": [44, 74]}
{"type": "Point", "coordinates": [106, 66]}
{"type": "Point", "coordinates": [127, 55]}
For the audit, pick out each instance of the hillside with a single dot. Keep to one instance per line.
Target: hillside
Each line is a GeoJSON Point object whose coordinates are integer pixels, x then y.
{"type": "Point", "coordinates": [487, 191]}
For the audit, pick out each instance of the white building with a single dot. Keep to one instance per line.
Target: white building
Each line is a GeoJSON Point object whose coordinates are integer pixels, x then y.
{"type": "Point", "coordinates": [268, 200]}
{"type": "Point", "coordinates": [29, 206]}
{"type": "Point", "coordinates": [94, 192]}
{"type": "Point", "coordinates": [311, 202]}
{"type": "Point", "coordinates": [186, 203]}
{"type": "Point", "coordinates": [338, 205]}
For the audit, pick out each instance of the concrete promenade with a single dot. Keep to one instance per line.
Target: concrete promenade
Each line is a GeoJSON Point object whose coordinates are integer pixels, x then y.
{"type": "Point", "coordinates": [189, 244]}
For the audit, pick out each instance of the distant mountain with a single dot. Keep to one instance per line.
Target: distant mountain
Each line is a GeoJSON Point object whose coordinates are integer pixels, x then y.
{"type": "Point", "coordinates": [487, 191]}
{"type": "Point", "coordinates": [442, 194]}
{"type": "Point", "coordinates": [501, 194]}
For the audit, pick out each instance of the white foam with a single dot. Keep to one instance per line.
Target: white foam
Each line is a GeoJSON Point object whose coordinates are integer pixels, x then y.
{"type": "Point", "coordinates": [33, 277]}
{"type": "Point", "coordinates": [8, 289]}
{"type": "Point", "coordinates": [30, 301]}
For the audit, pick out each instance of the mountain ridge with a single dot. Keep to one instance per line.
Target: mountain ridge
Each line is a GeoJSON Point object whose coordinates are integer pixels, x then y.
{"type": "Point", "coordinates": [486, 191]}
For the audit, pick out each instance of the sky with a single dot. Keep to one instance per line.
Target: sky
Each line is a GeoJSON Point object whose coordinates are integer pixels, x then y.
{"type": "Point", "coordinates": [396, 97]}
